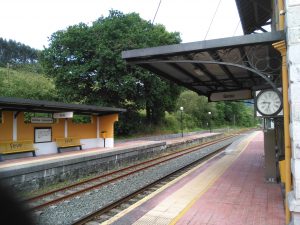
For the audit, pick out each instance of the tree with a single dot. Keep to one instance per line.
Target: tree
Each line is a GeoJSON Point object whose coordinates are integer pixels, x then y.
{"type": "Point", "coordinates": [197, 108]}
{"type": "Point", "coordinates": [235, 113]}
{"type": "Point", "coordinates": [16, 53]}
{"type": "Point", "coordinates": [87, 65]}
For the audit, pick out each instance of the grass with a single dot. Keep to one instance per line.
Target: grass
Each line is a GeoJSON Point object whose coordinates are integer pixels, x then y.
{"type": "Point", "coordinates": [8, 72]}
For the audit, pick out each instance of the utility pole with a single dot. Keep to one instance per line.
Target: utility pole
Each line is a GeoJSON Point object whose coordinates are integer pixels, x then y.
{"type": "Point", "coordinates": [234, 120]}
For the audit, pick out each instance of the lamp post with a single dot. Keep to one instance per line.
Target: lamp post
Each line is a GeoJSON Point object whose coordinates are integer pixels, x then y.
{"type": "Point", "coordinates": [209, 115]}
{"type": "Point", "coordinates": [181, 124]}
{"type": "Point", "coordinates": [234, 120]}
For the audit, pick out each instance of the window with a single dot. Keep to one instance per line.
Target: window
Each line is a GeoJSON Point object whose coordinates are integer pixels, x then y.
{"type": "Point", "coordinates": [82, 119]}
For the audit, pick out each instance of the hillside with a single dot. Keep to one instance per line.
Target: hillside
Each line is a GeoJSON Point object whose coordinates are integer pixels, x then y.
{"type": "Point", "coordinates": [23, 84]}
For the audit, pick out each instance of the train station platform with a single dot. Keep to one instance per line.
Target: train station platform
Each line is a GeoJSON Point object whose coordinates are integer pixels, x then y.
{"type": "Point", "coordinates": [228, 189]}
{"type": "Point", "coordinates": [32, 173]}
{"type": "Point", "coordinates": [118, 147]}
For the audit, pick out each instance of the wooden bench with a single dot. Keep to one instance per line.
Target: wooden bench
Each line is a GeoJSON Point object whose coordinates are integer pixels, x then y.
{"type": "Point", "coordinates": [67, 143]}
{"type": "Point", "coordinates": [14, 147]}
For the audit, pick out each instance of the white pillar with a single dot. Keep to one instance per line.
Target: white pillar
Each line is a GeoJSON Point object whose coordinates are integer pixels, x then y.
{"type": "Point", "coordinates": [15, 126]}
{"type": "Point", "coordinates": [293, 62]}
{"type": "Point", "coordinates": [66, 128]}
{"type": "Point", "coordinates": [98, 128]}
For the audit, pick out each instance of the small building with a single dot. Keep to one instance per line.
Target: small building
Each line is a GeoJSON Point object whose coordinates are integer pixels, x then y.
{"type": "Point", "coordinates": [49, 125]}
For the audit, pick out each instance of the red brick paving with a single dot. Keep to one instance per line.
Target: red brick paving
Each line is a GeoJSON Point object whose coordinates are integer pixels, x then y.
{"type": "Point", "coordinates": [240, 196]}
{"type": "Point", "coordinates": [145, 207]}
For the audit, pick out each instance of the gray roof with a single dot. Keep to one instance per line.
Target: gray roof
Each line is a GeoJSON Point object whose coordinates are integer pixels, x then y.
{"type": "Point", "coordinates": [29, 105]}
{"type": "Point", "coordinates": [254, 14]}
{"type": "Point", "coordinates": [220, 65]}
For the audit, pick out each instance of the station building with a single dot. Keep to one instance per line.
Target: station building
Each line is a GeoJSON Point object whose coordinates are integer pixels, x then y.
{"type": "Point", "coordinates": [49, 127]}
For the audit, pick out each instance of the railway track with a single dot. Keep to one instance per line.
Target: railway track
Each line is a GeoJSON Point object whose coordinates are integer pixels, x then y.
{"type": "Point", "coordinates": [114, 208]}
{"type": "Point", "coordinates": [62, 194]}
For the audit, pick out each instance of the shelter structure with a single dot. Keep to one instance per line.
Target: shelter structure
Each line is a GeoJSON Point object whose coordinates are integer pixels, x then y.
{"type": "Point", "coordinates": [50, 125]}
{"type": "Point", "coordinates": [235, 68]}
{"type": "Point", "coordinates": [223, 65]}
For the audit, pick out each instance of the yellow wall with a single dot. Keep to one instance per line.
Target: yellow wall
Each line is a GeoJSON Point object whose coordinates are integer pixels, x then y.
{"type": "Point", "coordinates": [25, 131]}
{"type": "Point", "coordinates": [83, 130]}
{"type": "Point", "coordinates": [6, 127]}
{"type": "Point", "coordinates": [107, 124]}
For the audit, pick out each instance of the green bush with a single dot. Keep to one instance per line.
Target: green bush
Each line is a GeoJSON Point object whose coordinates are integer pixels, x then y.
{"type": "Point", "coordinates": [171, 122]}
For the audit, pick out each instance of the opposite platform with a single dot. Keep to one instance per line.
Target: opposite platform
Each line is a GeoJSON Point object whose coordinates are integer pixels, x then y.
{"type": "Point", "coordinates": [32, 173]}
{"type": "Point", "coordinates": [228, 189]}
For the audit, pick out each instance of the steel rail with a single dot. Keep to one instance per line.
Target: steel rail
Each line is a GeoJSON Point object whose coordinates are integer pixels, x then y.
{"type": "Point", "coordinates": [103, 175]}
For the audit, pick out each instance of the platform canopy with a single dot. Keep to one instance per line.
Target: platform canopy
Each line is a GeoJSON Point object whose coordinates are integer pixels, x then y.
{"type": "Point", "coordinates": [254, 14]}
{"type": "Point", "coordinates": [28, 105]}
{"type": "Point", "coordinates": [246, 62]}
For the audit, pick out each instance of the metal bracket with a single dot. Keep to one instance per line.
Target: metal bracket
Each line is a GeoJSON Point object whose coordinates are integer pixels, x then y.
{"type": "Point", "coordinates": [16, 114]}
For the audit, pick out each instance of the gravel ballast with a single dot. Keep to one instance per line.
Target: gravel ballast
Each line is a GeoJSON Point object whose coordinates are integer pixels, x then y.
{"type": "Point", "coordinates": [68, 211]}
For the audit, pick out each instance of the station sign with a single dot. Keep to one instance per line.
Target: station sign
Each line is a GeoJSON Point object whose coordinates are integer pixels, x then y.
{"type": "Point", "coordinates": [41, 120]}
{"type": "Point", "coordinates": [63, 115]}
{"type": "Point", "coordinates": [230, 95]}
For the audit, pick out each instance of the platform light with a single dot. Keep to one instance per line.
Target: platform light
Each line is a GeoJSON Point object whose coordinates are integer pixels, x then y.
{"type": "Point", "coordinates": [209, 115]}
{"type": "Point", "coordinates": [181, 122]}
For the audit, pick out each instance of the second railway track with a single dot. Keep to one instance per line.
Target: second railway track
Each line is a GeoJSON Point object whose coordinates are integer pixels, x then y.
{"type": "Point", "coordinates": [73, 190]}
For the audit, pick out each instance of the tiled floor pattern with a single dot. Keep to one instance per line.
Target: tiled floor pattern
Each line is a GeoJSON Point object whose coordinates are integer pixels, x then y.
{"type": "Point", "coordinates": [129, 216]}
{"type": "Point", "coordinates": [240, 196]}
{"type": "Point", "coordinates": [167, 210]}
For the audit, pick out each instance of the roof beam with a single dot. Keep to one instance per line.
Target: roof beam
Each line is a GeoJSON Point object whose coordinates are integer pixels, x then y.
{"type": "Point", "coordinates": [166, 76]}
{"type": "Point", "coordinates": [216, 57]}
{"type": "Point", "coordinates": [208, 74]}
{"type": "Point", "coordinates": [187, 73]}
{"type": "Point", "coordinates": [246, 63]}
{"type": "Point", "coordinates": [262, 29]}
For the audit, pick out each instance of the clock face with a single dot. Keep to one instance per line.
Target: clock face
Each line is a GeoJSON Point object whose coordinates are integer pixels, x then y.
{"type": "Point", "coordinates": [268, 103]}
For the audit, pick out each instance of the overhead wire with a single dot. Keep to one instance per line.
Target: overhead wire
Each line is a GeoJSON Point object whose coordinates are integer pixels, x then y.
{"type": "Point", "coordinates": [237, 26]}
{"type": "Point", "coordinates": [156, 11]}
{"type": "Point", "coordinates": [212, 19]}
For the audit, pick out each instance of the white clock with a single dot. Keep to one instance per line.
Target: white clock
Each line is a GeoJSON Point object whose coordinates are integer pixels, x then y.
{"type": "Point", "coordinates": [268, 102]}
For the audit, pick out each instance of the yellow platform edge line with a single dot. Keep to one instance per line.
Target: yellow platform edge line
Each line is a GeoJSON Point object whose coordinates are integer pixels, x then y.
{"type": "Point", "coordinates": [195, 199]}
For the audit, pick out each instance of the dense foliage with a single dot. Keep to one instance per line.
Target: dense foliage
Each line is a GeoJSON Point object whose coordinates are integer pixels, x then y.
{"type": "Point", "coordinates": [16, 53]}
{"type": "Point", "coordinates": [87, 65]}
{"type": "Point", "coordinates": [196, 110]}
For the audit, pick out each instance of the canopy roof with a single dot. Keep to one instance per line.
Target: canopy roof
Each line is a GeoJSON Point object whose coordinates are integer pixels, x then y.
{"type": "Point", "coordinates": [28, 105]}
{"type": "Point", "coordinates": [254, 14]}
{"type": "Point", "coordinates": [220, 65]}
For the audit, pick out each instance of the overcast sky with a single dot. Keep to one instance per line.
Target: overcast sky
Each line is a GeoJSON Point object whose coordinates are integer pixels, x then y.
{"type": "Point", "coordinates": [33, 21]}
